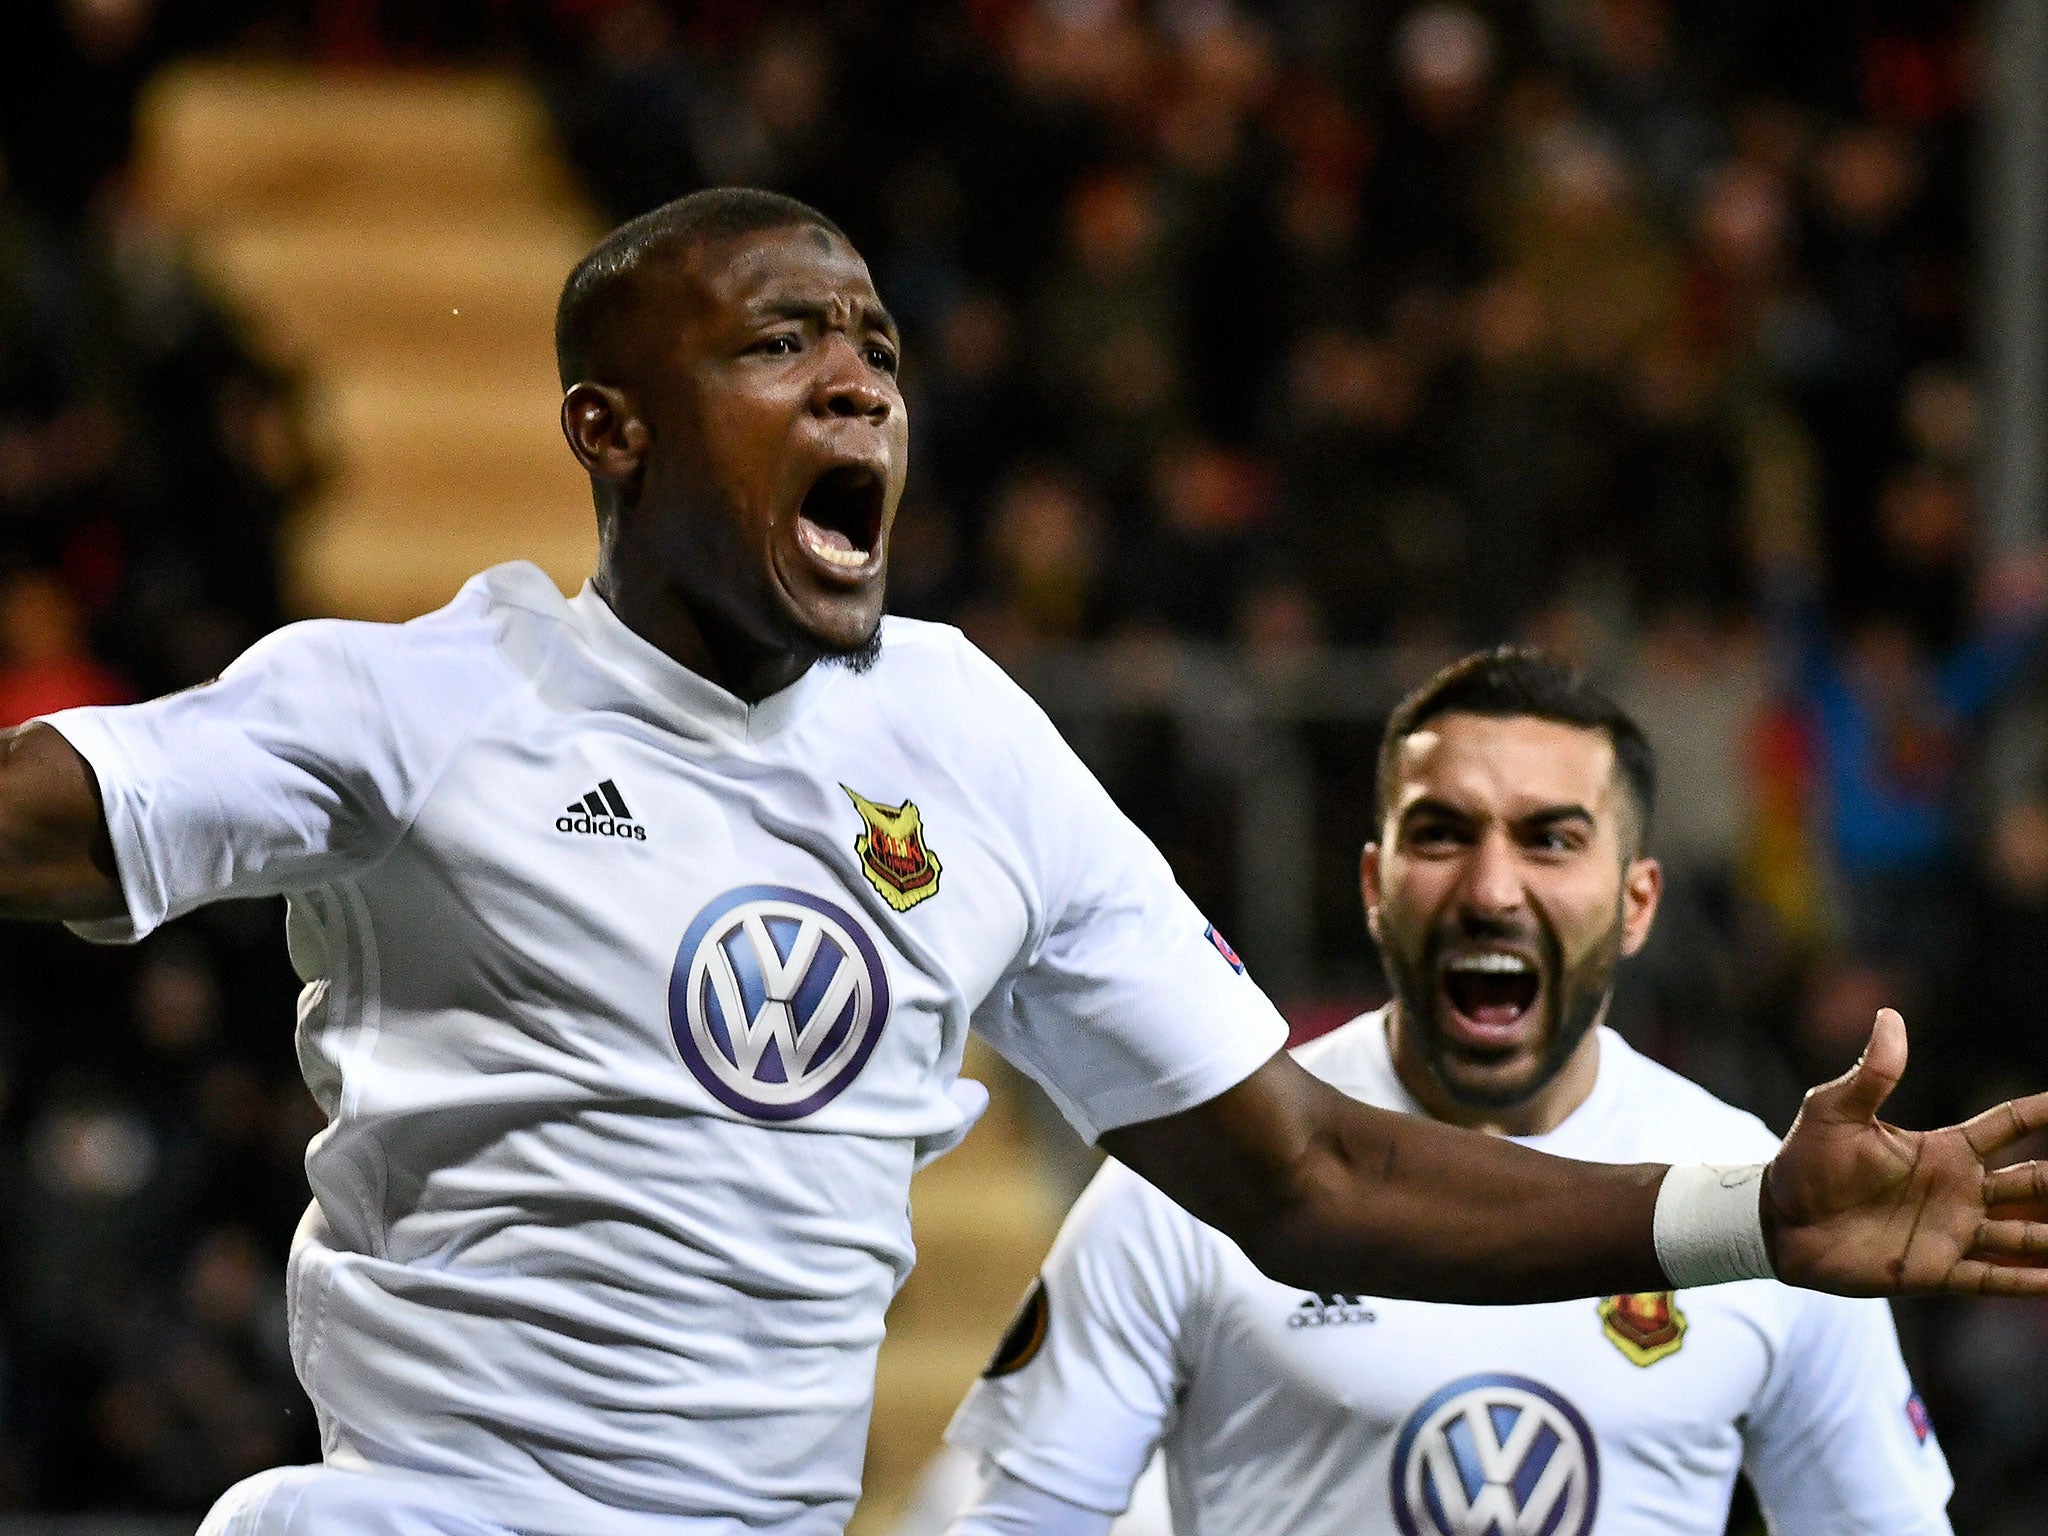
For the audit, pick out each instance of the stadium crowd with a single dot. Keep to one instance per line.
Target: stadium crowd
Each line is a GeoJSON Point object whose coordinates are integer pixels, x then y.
{"type": "Point", "coordinates": [151, 1120]}
{"type": "Point", "coordinates": [1638, 327]}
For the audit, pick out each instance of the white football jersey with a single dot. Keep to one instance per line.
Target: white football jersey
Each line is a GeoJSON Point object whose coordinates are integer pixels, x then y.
{"type": "Point", "coordinates": [632, 1007]}
{"type": "Point", "coordinates": [1359, 1416]}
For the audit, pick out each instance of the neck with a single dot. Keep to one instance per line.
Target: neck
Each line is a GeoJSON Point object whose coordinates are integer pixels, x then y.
{"type": "Point", "coordinates": [1540, 1113]}
{"type": "Point", "coordinates": [691, 637]}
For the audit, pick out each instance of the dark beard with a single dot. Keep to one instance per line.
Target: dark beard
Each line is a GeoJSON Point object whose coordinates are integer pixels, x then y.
{"type": "Point", "coordinates": [861, 658]}
{"type": "Point", "coordinates": [1576, 999]}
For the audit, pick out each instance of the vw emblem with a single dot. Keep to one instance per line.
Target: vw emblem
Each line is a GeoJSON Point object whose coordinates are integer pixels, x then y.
{"type": "Point", "coordinates": [1496, 1456]}
{"type": "Point", "coordinates": [776, 1001]}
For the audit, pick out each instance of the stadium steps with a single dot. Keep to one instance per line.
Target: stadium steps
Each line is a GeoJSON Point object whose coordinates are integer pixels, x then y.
{"type": "Point", "coordinates": [399, 239]}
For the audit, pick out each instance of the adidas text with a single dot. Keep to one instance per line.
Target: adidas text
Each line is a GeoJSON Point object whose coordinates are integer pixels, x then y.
{"type": "Point", "coordinates": [601, 826]}
{"type": "Point", "coordinates": [602, 813]}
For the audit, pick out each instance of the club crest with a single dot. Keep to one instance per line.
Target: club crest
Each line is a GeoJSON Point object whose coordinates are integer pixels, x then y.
{"type": "Point", "coordinates": [892, 851]}
{"type": "Point", "coordinates": [1646, 1327]}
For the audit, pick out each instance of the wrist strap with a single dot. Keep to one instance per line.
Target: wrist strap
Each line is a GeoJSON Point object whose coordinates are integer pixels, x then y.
{"type": "Point", "coordinates": [1709, 1226]}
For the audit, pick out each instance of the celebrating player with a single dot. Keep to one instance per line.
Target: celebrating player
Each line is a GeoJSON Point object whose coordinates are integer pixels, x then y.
{"type": "Point", "coordinates": [642, 932]}
{"type": "Point", "coordinates": [1508, 878]}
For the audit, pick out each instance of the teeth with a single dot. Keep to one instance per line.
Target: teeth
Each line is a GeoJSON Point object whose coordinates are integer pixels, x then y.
{"type": "Point", "coordinates": [1493, 963]}
{"type": "Point", "coordinates": [831, 546]}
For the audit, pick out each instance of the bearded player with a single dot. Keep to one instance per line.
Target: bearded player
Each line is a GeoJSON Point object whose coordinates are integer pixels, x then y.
{"type": "Point", "coordinates": [1509, 876]}
{"type": "Point", "coordinates": [613, 1192]}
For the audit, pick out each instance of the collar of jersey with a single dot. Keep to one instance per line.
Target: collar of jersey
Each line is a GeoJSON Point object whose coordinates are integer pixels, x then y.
{"type": "Point", "coordinates": [1383, 1085]}
{"type": "Point", "coordinates": [695, 698]}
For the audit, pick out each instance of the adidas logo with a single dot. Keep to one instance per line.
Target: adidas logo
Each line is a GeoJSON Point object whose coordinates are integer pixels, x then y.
{"type": "Point", "coordinates": [602, 813]}
{"type": "Point", "coordinates": [1330, 1312]}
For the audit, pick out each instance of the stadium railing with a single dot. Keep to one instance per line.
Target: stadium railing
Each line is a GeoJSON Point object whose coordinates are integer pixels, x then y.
{"type": "Point", "coordinates": [1241, 715]}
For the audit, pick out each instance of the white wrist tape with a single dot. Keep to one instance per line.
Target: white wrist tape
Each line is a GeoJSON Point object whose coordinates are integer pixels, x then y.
{"type": "Point", "coordinates": [1709, 1226]}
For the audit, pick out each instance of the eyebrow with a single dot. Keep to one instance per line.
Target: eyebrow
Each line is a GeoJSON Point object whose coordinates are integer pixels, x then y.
{"type": "Point", "coordinates": [1426, 806]}
{"type": "Point", "coordinates": [873, 316]}
{"type": "Point", "coordinates": [1549, 815]}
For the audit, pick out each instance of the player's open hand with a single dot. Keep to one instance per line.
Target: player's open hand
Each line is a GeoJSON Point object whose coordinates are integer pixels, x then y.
{"type": "Point", "coordinates": [1856, 1206]}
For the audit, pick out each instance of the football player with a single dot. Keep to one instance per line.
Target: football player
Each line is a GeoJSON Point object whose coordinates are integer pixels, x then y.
{"type": "Point", "coordinates": [1509, 876]}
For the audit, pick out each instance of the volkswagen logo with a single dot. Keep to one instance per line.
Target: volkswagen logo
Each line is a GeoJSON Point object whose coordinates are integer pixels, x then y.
{"type": "Point", "coordinates": [776, 1001]}
{"type": "Point", "coordinates": [1496, 1456]}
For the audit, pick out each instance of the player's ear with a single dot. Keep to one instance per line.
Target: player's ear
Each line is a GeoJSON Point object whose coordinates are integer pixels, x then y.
{"type": "Point", "coordinates": [605, 433]}
{"type": "Point", "coordinates": [1642, 886]}
{"type": "Point", "coordinates": [1369, 887]}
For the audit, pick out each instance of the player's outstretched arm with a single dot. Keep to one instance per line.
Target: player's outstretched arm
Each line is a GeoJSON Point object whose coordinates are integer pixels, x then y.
{"type": "Point", "coordinates": [56, 860]}
{"type": "Point", "coordinates": [1333, 1195]}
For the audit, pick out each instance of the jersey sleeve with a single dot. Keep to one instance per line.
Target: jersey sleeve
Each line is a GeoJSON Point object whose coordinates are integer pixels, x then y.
{"type": "Point", "coordinates": [1839, 1443]}
{"type": "Point", "coordinates": [1008, 1506]}
{"type": "Point", "coordinates": [1079, 1395]}
{"type": "Point", "coordinates": [301, 761]}
{"type": "Point", "coordinates": [1129, 1005]}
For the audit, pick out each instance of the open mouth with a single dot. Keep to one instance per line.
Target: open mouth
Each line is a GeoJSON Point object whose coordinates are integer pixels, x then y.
{"type": "Point", "coordinates": [840, 520]}
{"type": "Point", "coordinates": [1492, 990]}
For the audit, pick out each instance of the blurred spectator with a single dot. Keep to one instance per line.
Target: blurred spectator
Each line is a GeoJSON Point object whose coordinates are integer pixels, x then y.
{"type": "Point", "coordinates": [1367, 522]}
{"type": "Point", "coordinates": [1046, 563]}
{"type": "Point", "coordinates": [1996, 1346]}
{"type": "Point", "coordinates": [2004, 961]}
{"type": "Point", "coordinates": [200, 1397]}
{"type": "Point", "coordinates": [1625, 54]}
{"type": "Point", "coordinates": [626, 108]}
{"type": "Point", "coordinates": [91, 55]}
{"type": "Point", "coordinates": [1679, 470]}
{"type": "Point", "coordinates": [1890, 716]}
{"type": "Point", "coordinates": [767, 126]}
{"type": "Point", "coordinates": [1865, 180]}
{"type": "Point", "coordinates": [1431, 201]}
{"type": "Point", "coordinates": [1202, 550]}
{"type": "Point", "coordinates": [1221, 169]}
{"type": "Point", "coordinates": [1106, 336]}
{"type": "Point", "coordinates": [44, 665]}
{"type": "Point", "coordinates": [973, 406]}
{"type": "Point", "coordinates": [1602, 273]}
{"type": "Point", "coordinates": [1698, 687]}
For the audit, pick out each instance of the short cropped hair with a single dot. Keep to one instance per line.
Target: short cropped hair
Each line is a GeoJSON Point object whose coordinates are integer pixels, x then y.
{"type": "Point", "coordinates": [595, 290]}
{"type": "Point", "coordinates": [1519, 680]}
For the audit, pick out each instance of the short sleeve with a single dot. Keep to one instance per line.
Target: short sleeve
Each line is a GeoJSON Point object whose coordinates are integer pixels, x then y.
{"type": "Point", "coordinates": [302, 761]}
{"type": "Point", "coordinates": [1130, 1006]}
{"type": "Point", "coordinates": [1840, 1444]}
{"type": "Point", "coordinates": [1082, 1389]}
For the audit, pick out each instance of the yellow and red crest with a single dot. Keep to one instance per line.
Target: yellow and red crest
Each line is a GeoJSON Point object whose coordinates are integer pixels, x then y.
{"type": "Point", "coordinates": [1646, 1327]}
{"type": "Point", "coordinates": [892, 852]}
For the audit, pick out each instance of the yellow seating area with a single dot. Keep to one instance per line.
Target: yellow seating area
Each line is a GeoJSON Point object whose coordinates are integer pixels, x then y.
{"type": "Point", "coordinates": [399, 239]}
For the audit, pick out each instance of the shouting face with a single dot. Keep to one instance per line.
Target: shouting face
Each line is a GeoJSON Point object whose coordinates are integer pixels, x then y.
{"type": "Point", "coordinates": [761, 445]}
{"type": "Point", "coordinates": [1502, 892]}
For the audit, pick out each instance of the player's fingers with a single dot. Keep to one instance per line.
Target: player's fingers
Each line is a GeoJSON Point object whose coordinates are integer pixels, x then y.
{"type": "Point", "coordinates": [1860, 1092]}
{"type": "Point", "coordinates": [2011, 1240]}
{"type": "Point", "coordinates": [2003, 1124]}
{"type": "Point", "coordinates": [2021, 1181]}
{"type": "Point", "coordinates": [1977, 1277]}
